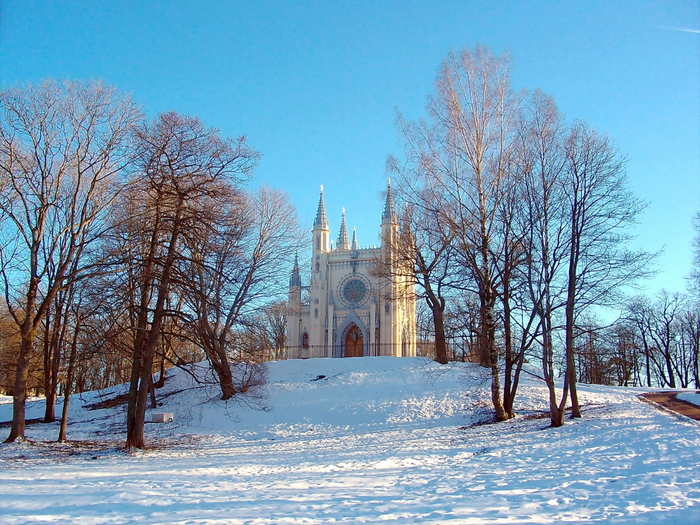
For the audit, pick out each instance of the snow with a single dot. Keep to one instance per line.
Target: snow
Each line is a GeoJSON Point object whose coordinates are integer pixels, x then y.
{"type": "Point", "coordinates": [374, 440]}
{"type": "Point", "coordinates": [690, 397]}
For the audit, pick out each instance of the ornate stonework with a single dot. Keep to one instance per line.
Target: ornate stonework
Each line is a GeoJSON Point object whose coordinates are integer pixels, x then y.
{"type": "Point", "coordinates": [354, 290]}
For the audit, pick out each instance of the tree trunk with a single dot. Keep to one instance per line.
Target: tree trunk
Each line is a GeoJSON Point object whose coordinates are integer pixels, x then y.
{"type": "Point", "coordinates": [161, 378]}
{"type": "Point", "coordinates": [489, 335]}
{"type": "Point", "coordinates": [49, 407]}
{"type": "Point", "coordinates": [55, 353]}
{"type": "Point", "coordinates": [669, 367]}
{"type": "Point", "coordinates": [19, 394]}
{"type": "Point", "coordinates": [570, 319]}
{"type": "Point", "coordinates": [223, 370]}
{"type": "Point", "coordinates": [68, 389]}
{"type": "Point", "coordinates": [139, 338]}
{"type": "Point", "coordinates": [440, 343]}
{"type": "Point", "coordinates": [509, 385]}
{"type": "Point", "coordinates": [484, 356]}
{"type": "Point", "coordinates": [134, 436]}
{"type": "Point", "coordinates": [152, 391]}
{"type": "Point", "coordinates": [20, 387]}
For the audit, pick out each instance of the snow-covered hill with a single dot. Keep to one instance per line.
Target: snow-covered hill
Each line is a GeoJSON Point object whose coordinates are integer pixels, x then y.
{"type": "Point", "coordinates": [357, 441]}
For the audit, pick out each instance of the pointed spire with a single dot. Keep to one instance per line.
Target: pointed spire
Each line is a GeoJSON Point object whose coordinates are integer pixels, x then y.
{"type": "Point", "coordinates": [295, 279]}
{"type": "Point", "coordinates": [321, 222]}
{"type": "Point", "coordinates": [389, 215]}
{"type": "Point", "coordinates": [343, 242]}
{"type": "Point", "coordinates": [354, 238]}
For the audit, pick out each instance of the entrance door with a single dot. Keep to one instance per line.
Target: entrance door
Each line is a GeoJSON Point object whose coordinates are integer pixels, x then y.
{"type": "Point", "coordinates": [354, 346]}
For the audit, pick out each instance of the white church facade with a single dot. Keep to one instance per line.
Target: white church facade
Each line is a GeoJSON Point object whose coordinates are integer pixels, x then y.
{"type": "Point", "coordinates": [349, 310]}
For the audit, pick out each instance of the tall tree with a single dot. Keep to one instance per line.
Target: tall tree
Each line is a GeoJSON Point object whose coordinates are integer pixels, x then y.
{"type": "Point", "coordinates": [236, 266]}
{"type": "Point", "coordinates": [600, 210]}
{"type": "Point", "coordinates": [63, 150]}
{"type": "Point", "coordinates": [464, 154]}
{"type": "Point", "coordinates": [544, 198]}
{"type": "Point", "coordinates": [184, 169]}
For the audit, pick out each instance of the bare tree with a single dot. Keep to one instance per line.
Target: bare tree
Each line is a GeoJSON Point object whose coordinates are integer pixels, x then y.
{"type": "Point", "coordinates": [185, 167]}
{"type": "Point", "coordinates": [75, 317]}
{"type": "Point", "coordinates": [464, 154]}
{"type": "Point", "coordinates": [694, 278]}
{"type": "Point", "coordinates": [9, 349]}
{"type": "Point", "coordinates": [544, 197]}
{"type": "Point", "coordinates": [63, 148]}
{"type": "Point", "coordinates": [690, 341]}
{"type": "Point", "coordinates": [56, 325]}
{"type": "Point", "coordinates": [600, 209]}
{"type": "Point", "coordinates": [659, 326]}
{"type": "Point", "coordinates": [626, 360]}
{"type": "Point", "coordinates": [235, 267]}
{"type": "Point", "coordinates": [274, 317]}
{"type": "Point", "coordinates": [423, 251]}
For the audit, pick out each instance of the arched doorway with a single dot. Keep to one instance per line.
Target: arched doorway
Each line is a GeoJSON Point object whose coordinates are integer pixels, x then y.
{"type": "Point", "coordinates": [354, 343]}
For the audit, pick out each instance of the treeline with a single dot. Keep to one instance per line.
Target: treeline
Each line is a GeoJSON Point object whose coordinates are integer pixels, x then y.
{"type": "Point", "coordinates": [128, 245]}
{"type": "Point", "coordinates": [517, 226]}
{"type": "Point", "coordinates": [653, 343]}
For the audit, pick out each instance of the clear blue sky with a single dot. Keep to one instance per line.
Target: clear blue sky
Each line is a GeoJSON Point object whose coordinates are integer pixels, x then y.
{"type": "Point", "coordinates": [316, 85]}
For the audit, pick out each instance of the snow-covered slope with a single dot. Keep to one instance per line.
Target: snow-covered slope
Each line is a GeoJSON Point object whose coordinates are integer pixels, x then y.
{"type": "Point", "coordinates": [357, 441]}
{"type": "Point", "coordinates": [690, 397]}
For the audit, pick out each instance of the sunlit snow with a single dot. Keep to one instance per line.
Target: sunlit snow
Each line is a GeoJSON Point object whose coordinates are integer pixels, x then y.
{"type": "Point", "coordinates": [373, 440]}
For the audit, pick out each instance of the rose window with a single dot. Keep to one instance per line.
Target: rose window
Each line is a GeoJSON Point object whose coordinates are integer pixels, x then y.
{"type": "Point", "coordinates": [354, 292]}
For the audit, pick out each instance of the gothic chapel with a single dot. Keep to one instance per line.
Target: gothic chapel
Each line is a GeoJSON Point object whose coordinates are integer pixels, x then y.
{"type": "Point", "coordinates": [350, 312]}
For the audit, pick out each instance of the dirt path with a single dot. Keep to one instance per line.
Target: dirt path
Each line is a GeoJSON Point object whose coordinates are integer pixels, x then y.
{"type": "Point", "coordinates": [668, 400]}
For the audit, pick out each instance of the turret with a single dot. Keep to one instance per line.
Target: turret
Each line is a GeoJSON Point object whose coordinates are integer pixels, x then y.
{"type": "Point", "coordinates": [295, 286]}
{"type": "Point", "coordinates": [321, 231]}
{"type": "Point", "coordinates": [343, 241]}
{"type": "Point", "coordinates": [389, 215]}
{"type": "Point", "coordinates": [295, 279]}
{"type": "Point", "coordinates": [390, 223]}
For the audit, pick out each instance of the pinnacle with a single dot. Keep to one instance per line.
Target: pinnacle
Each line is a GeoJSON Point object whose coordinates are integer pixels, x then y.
{"type": "Point", "coordinates": [343, 242]}
{"type": "Point", "coordinates": [321, 222]}
{"type": "Point", "coordinates": [389, 215]}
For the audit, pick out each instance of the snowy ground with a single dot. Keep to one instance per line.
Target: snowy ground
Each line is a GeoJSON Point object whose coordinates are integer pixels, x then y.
{"type": "Point", "coordinates": [375, 440]}
{"type": "Point", "coordinates": [690, 397]}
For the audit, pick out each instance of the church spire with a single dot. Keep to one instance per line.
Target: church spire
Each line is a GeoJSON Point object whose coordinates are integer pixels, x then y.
{"type": "Point", "coordinates": [295, 279]}
{"type": "Point", "coordinates": [343, 242]}
{"type": "Point", "coordinates": [321, 222]}
{"type": "Point", "coordinates": [354, 238]}
{"type": "Point", "coordinates": [389, 215]}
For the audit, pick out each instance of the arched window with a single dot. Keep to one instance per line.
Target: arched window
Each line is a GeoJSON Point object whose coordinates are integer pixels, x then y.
{"type": "Point", "coordinates": [305, 340]}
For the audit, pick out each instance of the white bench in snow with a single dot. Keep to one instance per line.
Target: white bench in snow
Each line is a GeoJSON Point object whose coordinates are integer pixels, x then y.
{"type": "Point", "coordinates": [162, 417]}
